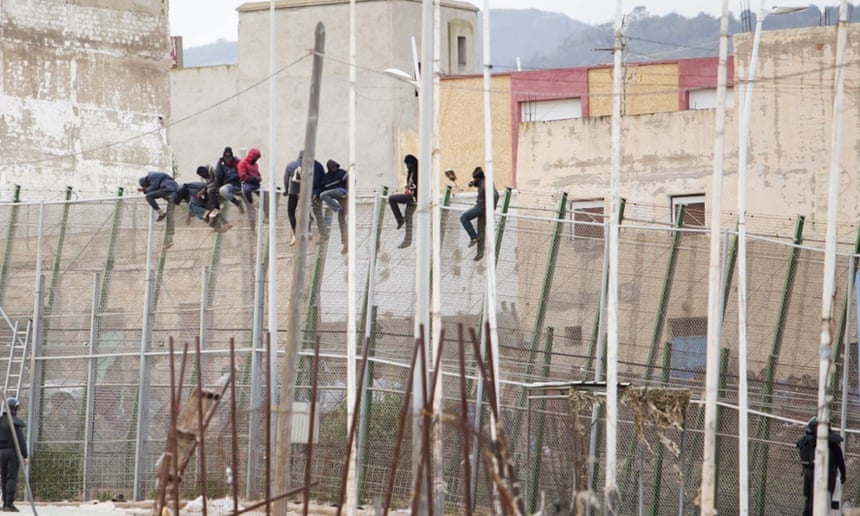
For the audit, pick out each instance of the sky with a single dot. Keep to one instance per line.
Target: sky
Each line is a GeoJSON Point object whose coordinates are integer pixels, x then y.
{"type": "Point", "coordinates": [219, 20]}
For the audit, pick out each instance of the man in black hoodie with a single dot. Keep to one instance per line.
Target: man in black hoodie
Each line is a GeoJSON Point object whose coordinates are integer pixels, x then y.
{"type": "Point", "coordinates": [409, 197]}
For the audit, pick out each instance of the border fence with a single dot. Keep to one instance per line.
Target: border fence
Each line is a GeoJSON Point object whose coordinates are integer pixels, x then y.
{"type": "Point", "coordinates": [104, 294]}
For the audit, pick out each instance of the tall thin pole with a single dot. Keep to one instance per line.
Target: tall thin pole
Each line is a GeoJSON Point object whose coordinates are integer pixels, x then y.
{"type": "Point", "coordinates": [712, 374]}
{"type": "Point", "coordinates": [436, 266]}
{"type": "Point", "coordinates": [611, 493]}
{"type": "Point", "coordinates": [489, 209]}
{"type": "Point", "coordinates": [821, 498]}
{"type": "Point", "coordinates": [143, 372]}
{"type": "Point", "coordinates": [422, 248]}
{"type": "Point", "coordinates": [743, 401]}
{"type": "Point", "coordinates": [273, 226]}
{"type": "Point", "coordinates": [298, 293]}
{"type": "Point", "coordinates": [351, 376]}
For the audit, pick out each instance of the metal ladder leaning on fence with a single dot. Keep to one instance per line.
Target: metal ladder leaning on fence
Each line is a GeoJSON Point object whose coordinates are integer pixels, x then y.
{"type": "Point", "coordinates": [17, 363]}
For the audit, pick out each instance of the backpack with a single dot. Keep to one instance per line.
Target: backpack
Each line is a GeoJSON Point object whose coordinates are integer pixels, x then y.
{"type": "Point", "coordinates": [806, 448]}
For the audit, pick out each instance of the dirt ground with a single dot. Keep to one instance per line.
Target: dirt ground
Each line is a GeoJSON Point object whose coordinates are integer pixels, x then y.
{"type": "Point", "coordinates": [216, 507]}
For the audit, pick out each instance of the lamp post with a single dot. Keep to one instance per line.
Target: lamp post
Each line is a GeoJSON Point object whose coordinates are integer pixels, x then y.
{"type": "Point", "coordinates": [743, 142]}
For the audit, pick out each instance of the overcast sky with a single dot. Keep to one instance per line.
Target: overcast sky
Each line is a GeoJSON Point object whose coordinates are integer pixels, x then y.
{"type": "Point", "coordinates": [199, 25]}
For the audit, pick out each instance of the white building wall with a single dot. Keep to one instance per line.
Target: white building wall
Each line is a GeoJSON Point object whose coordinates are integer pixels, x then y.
{"type": "Point", "coordinates": [387, 110]}
{"type": "Point", "coordinates": [83, 87]}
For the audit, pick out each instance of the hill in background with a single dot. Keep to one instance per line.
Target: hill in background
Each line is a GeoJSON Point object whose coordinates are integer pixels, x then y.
{"type": "Point", "coordinates": [542, 39]}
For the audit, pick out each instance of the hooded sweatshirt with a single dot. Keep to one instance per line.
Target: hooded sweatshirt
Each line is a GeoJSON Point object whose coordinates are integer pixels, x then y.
{"type": "Point", "coordinates": [249, 171]}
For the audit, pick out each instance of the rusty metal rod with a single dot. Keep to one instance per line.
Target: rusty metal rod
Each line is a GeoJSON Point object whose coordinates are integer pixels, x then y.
{"type": "Point", "coordinates": [234, 456]}
{"type": "Point", "coordinates": [200, 438]}
{"type": "Point", "coordinates": [291, 492]}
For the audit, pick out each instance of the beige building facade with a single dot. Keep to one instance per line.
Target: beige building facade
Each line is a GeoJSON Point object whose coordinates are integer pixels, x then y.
{"type": "Point", "coordinates": [670, 155]}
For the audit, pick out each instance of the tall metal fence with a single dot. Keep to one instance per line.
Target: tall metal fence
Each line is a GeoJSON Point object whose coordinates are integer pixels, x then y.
{"type": "Point", "coordinates": [107, 294]}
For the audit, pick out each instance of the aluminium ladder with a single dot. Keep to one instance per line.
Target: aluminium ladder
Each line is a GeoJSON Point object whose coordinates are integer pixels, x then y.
{"type": "Point", "coordinates": [17, 363]}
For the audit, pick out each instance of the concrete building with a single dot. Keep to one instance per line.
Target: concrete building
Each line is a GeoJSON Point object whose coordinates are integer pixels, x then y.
{"type": "Point", "coordinates": [83, 92]}
{"type": "Point", "coordinates": [668, 154]}
{"type": "Point", "coordinates": [229, 105]}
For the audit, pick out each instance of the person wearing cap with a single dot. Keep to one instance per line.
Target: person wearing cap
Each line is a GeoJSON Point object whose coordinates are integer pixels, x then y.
{"type": "Point", "coordinates": [478, 211]}
{"type": "Point", "coordinates": [11, 440]}
{"type": "Point", "coordinates": [408, 198]}
{"type": "Point", "coordinates": [333, 194]}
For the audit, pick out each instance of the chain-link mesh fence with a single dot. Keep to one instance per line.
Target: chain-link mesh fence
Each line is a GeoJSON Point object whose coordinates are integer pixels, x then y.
{"type": "Point", "coordinates": [99, 414]}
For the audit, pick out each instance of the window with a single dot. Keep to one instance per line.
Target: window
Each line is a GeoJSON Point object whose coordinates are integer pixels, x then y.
{"type": "Point", "coordinates": [461, 50]}
{"type": "Point", "coordinates": [587, 219]}
{"type": "Point", "coordinates": [707, 98]}
{"type": "Point", "coordinates": [694, 210]}
{"type": "Point", "coordinates": [689, 346]}
{"type": "Point", "coordinates": [573, 336]}
{"type": "Point", "coordinates": [548, 110]}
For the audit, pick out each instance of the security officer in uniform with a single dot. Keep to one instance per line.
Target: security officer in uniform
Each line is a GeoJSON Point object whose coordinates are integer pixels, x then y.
{"type": "Point", "coordinates": [9, 455]}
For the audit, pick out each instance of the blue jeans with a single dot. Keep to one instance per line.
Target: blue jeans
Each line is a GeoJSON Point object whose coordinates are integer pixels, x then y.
{"type": "Point", "coordinates": [333, 197]}
{"type": "Point", "coordinates": [227, 191]}
{"type": "Point", "coordinates": [467, 217]}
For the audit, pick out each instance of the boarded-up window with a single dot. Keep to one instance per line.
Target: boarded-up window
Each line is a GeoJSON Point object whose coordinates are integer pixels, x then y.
{"type": "Point", "coordinates": [694, 210]}
{"type": "Point", "coordinates": [547, 110]}
{"type": "Point", "coordinates": [462, 50]}
{"type": "Point", "coordinates": [588, 217]}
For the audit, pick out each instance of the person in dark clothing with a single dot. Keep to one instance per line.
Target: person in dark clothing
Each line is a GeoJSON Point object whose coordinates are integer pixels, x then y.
{"type": "Point", "coordinates": [226, 182]}
{"type": "Point", "coordinates": [194, 194]}
{"type": "Point", "coordinates": [408, 197]}
{"type": "Point", "coordinates": [835, 460]}
{"type": "Point", "coordinates": [478, 211]}
{"type": "Point", "coordinates": [9, 461]}
{"type": "Point", "coordinates": [334, 189]}
{"type": "Point", "coordinates": [292, 187]}
{"type": "Point", "coordinates": [159, 185]}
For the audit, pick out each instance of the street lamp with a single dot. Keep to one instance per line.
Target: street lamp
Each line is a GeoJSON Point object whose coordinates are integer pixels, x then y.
{"type": "Point", "coordinates": [743, 142]}
{"type": "Point", "coordinates": [400, 75]}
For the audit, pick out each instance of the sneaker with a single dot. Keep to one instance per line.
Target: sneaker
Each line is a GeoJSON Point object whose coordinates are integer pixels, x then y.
{"type": "Point", "coordinates": [169, 243]}
{"type": "Point", "coordinates": [400, 223]}
{"type": "Point", "coordinates": [344, 250]}
{"type": "Point", "coordinates": [404, 244]}
{"type": "Point", "coordinates": [293, 240]}
{"type": "Point", "coordinates": [479, 256]}
{"type": "Point", "coordinates": [239, 205]}
{"type": "Point", "coordinates": [161, 214]}
{"type": "Point", "coordinates": [473, 242]}
{"type": "Point", "coordinates": [10, 508]}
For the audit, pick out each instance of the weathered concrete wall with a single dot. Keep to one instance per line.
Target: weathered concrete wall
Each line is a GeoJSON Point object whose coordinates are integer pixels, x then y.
{"type": "Point", "coordinates": [386, 109]}
{"type": "Point", "coordinates": [83, 87]}
{"type": "Point", "coordinates": [203, 122]}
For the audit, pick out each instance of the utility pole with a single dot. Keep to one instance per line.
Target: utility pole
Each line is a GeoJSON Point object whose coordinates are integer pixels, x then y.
{"type": "Point", "coordinates": [297, 286]}
{"type": "Point", "coordinates": [712, 371]}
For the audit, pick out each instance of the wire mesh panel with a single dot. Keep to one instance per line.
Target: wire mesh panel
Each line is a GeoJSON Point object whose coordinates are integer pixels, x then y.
{"type": "Point", "coordinates": [115, 295]}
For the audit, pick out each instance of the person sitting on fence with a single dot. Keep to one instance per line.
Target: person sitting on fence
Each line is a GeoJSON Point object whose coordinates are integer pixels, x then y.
{"type": "Point", "coordinates": [408, 197]}
{"type": "Point", "coordinates": [334, 190]}
{"type": "Point", "coordinates": [194, 193]}
{"type": "Point", "coordinates": [478, 211]}
{"type": "Point", "coordinates": [225, 181]}
{"type": "Point", "coordinates": [157, 185]}
{"type": "Point", "coordinates": [249, 174]}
